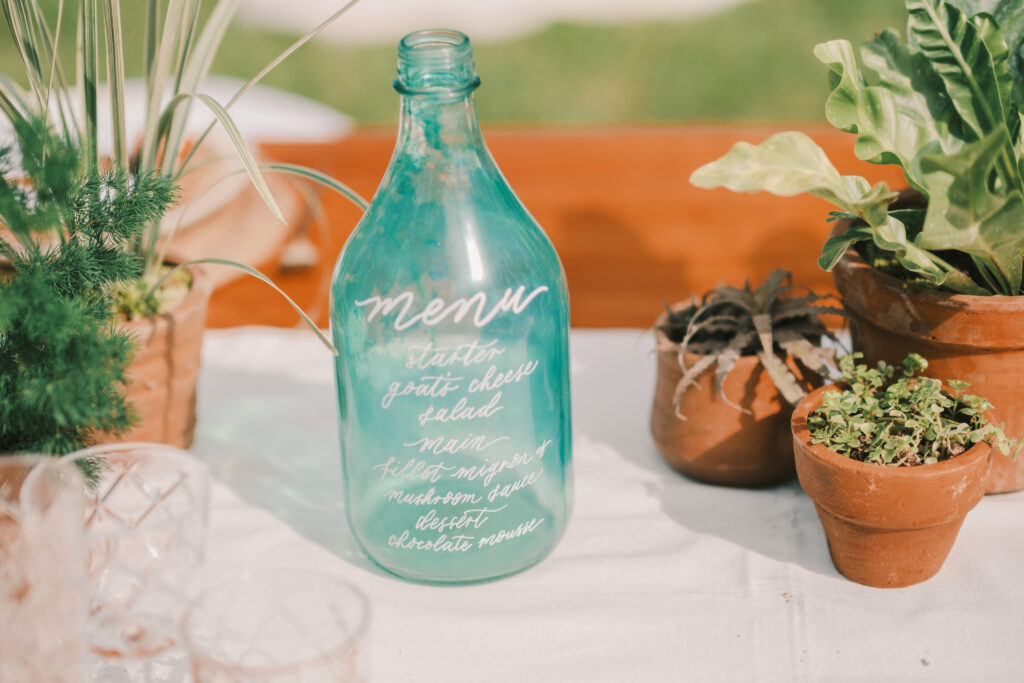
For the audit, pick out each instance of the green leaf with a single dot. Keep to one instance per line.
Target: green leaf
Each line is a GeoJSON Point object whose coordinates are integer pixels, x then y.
{"type": "Point", "coordinates": [195, 71]}
{"type": "Point", "coordinates": [972, 7]}
{"type": "Point", "coordinates": [88, 74]}
{"type": "Point", "coordinates": [277, 167]}
{"type": "Point", "coordinates": [965, 214]}
{"type": "Point", "coordinates": [115, 79]}
{"type": "Point", "coordinates": [892, 236]}
{"type": "Point", "coordinates": [322, 26]}
{"type": "Point", "coordinates": [991, 34]}
{"type": "Point", "coordinates": [888, 136]}
{"type": "Point", "coordinates": [788, 164]}
{"type": "Point", "coordinates": [45, 44]}
{"type": "Point", "coordinates": [171, 135]}
{"type": "Point", "coordinates": [846, 81]}
{"type": "Point", "coordinates": [259, 276]}
{"type": "Point", "coordinates": [320, 178]}
{"type": "Point", "coordinates": [54, 62]}
{"type": "Point", "coordinates": [34, 41]}
{"type": "Point", "coordinates": [959, 55]}
{"type": "Point", "coordinates": [186, 36]}
{"type": "Point", "coordinates": [919, 91]}
{"type": "Point", "coordinates": [962, 60]}
{"type": "Point", "coordinates": [150, 35]}
{"type": "Point", "coordinates": [915, 117]}
{"type": "Point", "coordinates": [237, 141]}
{"type": "Point", "coordinates": [836, 246]}
{"type": "Point", "coordinates": [159, 72]}
{"type": "Point", "coordinates": [1010, 15]}
{"type": "Point", "coordinates": [17, 13]}
{"type": "Point", "coordinates": [13, 100]}
{"type": "Point", "coordinates": [1020, 144]}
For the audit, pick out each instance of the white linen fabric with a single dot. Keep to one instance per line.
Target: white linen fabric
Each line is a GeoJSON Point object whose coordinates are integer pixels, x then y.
{"type": "Point", "coordinates": [657, 579]}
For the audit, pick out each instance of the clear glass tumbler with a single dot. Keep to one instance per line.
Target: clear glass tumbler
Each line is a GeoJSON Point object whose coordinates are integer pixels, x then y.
{"type": "Point", "coordinates": [278, 626]}
{"type": "Point", "coordinates": [42, 591]}
{"type": "Point", "coordinates": [145, 530]}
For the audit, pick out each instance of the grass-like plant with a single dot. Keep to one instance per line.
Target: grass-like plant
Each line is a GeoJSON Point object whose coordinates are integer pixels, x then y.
{"type": "Point", "coordinates": [910, 421]}
{"type": "Point", "coordinates": [180, 42]}
{"type": "Point", "coordinates": [726, 323]}
{"type": "Point", "coordinates": [946, 107]}
{"type": "Point", "coordinates": [62, 360]}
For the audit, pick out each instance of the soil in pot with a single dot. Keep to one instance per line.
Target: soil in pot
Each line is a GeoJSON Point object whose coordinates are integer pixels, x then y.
{"type": "Point", "coordinates": [163, 376]}
{"type": "Point", "coordinates": [978, 339]}
{"type": "Point", "coordinates": [886, 526]}
{"type": "Point", "coordinates": [717, 443]}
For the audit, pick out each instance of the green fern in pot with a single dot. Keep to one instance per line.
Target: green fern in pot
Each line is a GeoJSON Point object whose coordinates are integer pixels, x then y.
{"type": "Point", "coordinates": [945, 106]}
{"type": "Point", "coordinates": [937, 271]}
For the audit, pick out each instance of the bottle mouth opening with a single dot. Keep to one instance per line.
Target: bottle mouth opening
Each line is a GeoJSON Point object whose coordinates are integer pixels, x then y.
{"type": "Point", "coordinates": [435, 41]}
{"type": "Point", "coordinates": [435, 61]}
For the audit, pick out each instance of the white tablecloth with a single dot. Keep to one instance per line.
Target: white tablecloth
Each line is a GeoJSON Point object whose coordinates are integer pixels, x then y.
{"type": "Point", "coordinates": [657, 579]}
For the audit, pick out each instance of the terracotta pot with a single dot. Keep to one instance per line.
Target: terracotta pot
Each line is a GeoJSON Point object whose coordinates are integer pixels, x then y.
{"type": "Point", "coordinates": [977, 339]}
{"type": "Point", "coordinates": [162, 378]}
{"type": "Point", "coordinates": [886, 526]}
{"type": "Point", "coordinates": [716, 443]}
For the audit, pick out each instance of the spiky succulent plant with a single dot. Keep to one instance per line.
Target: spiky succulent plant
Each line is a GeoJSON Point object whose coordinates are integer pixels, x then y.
{"type": "Point", "coordinates": [776, 319]}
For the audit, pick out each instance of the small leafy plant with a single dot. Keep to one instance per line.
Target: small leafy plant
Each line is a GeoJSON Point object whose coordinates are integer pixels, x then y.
{"type": "Point", "coordinates": [66, 232]}
{"type": "Point", "coordinates": [909, 421]}
{"type": "Point", "coordinates": [775, 319]}
{"type": "Point", "coordinates": [947, 108]}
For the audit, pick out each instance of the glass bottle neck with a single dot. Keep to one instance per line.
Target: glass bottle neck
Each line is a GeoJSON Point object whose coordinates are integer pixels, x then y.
{"type": "Point", "coordinates": [443, 125]}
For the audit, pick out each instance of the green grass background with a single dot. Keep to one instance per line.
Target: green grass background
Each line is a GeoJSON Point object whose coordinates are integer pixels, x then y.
{"type": "Point", "coordinates": [750, 62]}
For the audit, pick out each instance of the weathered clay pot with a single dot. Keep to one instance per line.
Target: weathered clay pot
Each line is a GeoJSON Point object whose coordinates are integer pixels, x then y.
{"type": "Point", "coordinates": [716, 443]}
{"type": "Point", "coordinates": [886, 526]}
{"type": "Point", "coordinates": [162, 378]}
{"type": "Point", "coordinates": [977, 339]}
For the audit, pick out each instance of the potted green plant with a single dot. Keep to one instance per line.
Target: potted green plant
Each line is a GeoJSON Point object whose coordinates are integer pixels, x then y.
{"type": "Point", "coordinates": [940, 273]}
{"type": "Point", "coordinates": [164, 306]}
{"type": "Point", "coordinates": [63, 363]}
{"type": "Point", "coordinates": [893, 467]}
{"type": "Point", "coordinates": [730, 367]}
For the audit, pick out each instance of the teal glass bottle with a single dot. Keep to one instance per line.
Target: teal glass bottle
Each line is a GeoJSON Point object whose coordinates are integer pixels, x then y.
{"type": "Point", "coordinates": [450, 313]}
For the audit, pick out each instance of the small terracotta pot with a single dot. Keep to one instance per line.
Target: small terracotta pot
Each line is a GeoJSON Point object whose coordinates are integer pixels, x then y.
{"type": "Point", "coordinates": [716, 443]}
{"type": "Point", "coordinates": [886, 526]}
{"type": "Point", "coordinates": [163, 376]}
{"type": "Point", "coordinates": [977, 339]}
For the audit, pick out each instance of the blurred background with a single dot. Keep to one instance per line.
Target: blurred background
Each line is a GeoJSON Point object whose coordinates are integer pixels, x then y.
{"type": "Point", "coordinates": [556, 61]}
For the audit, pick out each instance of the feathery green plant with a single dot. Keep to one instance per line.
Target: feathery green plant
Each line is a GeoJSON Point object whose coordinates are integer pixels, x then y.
{"type": "Point", "coordinates": [726, 323]}
{"type": "Point", "coordinates": [947, 107]}
{"type": "Point", "coordinates": [909, 421]}
{"type": "Point", "coordinates": [70, 228]}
